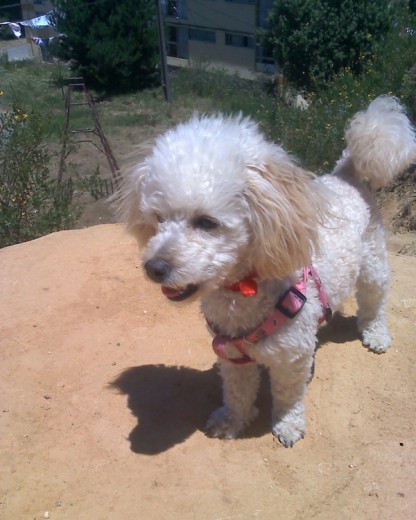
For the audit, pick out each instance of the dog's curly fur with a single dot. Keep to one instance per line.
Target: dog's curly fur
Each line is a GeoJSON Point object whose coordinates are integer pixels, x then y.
{"type": "Point", "coordinates": [215, 201]}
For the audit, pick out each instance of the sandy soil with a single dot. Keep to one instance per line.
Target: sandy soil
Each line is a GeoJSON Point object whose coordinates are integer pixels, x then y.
{"type": "Point", "coordinates": [105, 388]}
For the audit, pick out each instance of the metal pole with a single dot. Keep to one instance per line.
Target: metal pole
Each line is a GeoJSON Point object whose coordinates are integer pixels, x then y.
{"type": "Point", "coordinates": [162, 51]}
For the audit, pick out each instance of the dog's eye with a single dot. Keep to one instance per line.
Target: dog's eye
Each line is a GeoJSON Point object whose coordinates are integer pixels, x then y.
{"type": "Point", "coordinates": [205, 223]}
{"type": "Point", "coordinates": [160, 218]}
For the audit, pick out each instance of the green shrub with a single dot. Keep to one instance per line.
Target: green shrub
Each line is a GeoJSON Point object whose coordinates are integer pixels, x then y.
{"type": "Point", "coordinates": [31, 204]}
{"type": "Point", "coordinates": [314, 39]}
{"type": "Point", "coordinates": [409, 91]}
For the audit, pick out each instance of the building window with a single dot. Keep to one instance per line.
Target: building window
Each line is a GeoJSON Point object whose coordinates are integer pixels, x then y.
{"type": "Point", "coordinates": [172, 43]}
{"type": "Point", "coordinates": [177, 42]}
{"type": "Point", "coordinates": [171, 8]}
{"type": "Point", "coordinates": [202, 36]}
{"type": "Point", "coordinates": [239, 40]}
{"type": "Point", "coordinates": [175, 8]}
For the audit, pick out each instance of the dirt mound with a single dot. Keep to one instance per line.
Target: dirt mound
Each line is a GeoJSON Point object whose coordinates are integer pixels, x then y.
{"type": "Point", "coordinates": [397, 204]}
{"type": "Point", "coordinates": [105, 388]}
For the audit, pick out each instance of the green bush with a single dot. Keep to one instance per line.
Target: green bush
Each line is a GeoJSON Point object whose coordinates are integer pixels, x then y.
{"type": "Point", "coordinates": [31, 204]}
{"type": "Point", "coordinates": [409, 91]}
{"type": "Point", "coordinates": [314, 39]}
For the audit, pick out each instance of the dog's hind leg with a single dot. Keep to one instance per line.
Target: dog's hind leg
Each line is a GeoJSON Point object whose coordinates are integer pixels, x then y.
{"type": "Point", "coordinates": [240, 387]}
{"type": "Point", "coordinates": [372, 289]}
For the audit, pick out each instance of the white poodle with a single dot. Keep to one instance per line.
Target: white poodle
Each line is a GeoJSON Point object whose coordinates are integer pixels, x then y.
{"type": "Point", "coordinates": [270, 248]}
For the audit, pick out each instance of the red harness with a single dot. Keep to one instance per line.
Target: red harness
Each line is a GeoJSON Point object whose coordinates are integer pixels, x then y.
{"type": "Point", "coordinates": [287, 308]}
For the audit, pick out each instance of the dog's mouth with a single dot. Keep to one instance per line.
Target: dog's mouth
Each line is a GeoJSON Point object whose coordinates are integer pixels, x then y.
{"type": "Point", "coordinates": [178, 295]}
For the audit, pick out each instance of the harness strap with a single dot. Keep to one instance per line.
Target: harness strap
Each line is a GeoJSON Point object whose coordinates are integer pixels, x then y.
{"type": "Point", "coordinates": [327, 314]}
{"type": "Point", "coordinates": [287, 308]}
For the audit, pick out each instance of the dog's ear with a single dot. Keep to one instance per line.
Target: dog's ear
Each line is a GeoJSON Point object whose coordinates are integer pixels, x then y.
{"type": "Point", "coordinates": [128, 199]}
{"type": "Point", "coordinates": [284, 209]}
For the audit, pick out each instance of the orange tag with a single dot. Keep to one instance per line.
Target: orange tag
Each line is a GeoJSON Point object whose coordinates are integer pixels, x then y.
{"type": "Point", "coordinates": [248, 287]}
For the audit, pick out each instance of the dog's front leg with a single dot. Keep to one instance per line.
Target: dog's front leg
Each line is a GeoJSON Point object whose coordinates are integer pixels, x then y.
{"type": "Point", "coordinates": [289, 380]}
{"type": "Point", "coordinates": [240, 387]}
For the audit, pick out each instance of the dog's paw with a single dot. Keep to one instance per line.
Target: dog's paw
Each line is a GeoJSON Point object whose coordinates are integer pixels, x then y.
{"type": "Point", "coordinates": [376, 338]}
{"type": "Point", "coordinates": [223, 424]}
{"type": "Point", "coordinates": [290, 429]}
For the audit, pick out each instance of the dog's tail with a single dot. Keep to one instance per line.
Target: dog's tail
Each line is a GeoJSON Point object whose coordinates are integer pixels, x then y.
{"type": "Point", "coordinates": [381, 142]}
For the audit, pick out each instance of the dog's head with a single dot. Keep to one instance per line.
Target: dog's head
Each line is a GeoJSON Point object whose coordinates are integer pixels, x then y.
{"type": "Point", "coordinates": [214, 201]}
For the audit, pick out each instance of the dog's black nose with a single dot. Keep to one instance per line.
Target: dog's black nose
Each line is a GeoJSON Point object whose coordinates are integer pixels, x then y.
{"type": "Point", "coordinates": [157, 269]}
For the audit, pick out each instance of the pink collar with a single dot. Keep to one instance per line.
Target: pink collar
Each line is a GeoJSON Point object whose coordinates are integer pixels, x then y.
{"type": "Point", "coordinates": [287, 308]}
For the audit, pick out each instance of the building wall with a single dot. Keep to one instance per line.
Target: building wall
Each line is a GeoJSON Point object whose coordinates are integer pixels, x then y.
{"type": "Point", "coordinates": [223, 15]}
{"type": "Point", "coordinates": [219, 32]}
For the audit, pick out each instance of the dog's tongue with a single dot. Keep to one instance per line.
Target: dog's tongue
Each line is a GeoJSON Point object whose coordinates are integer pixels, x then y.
{"type": "Point", "coordinates": [169, 292]}
{"type": "Point", "coordinates": [177, 295]}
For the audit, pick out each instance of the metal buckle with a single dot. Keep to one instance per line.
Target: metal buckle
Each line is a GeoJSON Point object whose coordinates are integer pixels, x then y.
{"type": "Point", "coordinates": [287, 312]}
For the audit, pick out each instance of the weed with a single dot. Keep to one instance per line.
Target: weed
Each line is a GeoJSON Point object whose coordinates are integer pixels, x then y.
{"type": "Point", "coordinates": [31, 204]}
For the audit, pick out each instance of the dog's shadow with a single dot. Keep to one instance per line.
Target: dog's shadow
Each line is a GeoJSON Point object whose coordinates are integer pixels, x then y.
{"type": "Point", "coordinates": [339, 329]}
{"type": "Point", "coordinates": [172, 402]}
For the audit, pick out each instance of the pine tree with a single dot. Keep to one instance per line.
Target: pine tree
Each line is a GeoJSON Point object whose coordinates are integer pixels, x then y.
{"type": "Point", "coordinates": [112, 45]}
